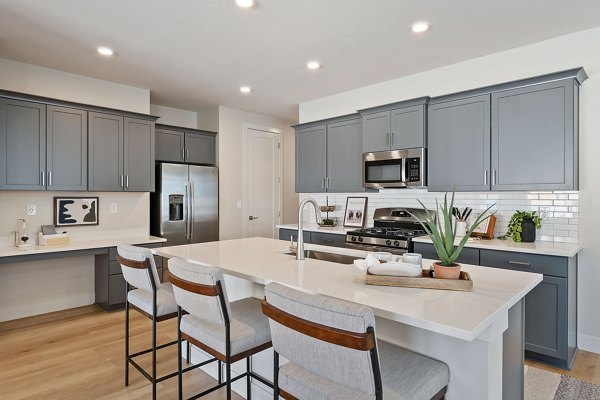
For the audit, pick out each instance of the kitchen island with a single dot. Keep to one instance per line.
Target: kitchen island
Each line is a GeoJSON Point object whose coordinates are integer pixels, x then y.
{"type": "Point", "coordinates": [479, 334]}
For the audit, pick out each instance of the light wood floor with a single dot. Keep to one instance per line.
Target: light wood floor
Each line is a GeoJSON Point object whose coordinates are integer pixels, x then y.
{"type": "Point", "coordinates": [78, 354]}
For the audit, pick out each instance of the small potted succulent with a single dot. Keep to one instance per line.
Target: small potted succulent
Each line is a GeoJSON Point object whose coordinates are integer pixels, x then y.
{"type": "Point", "coordinates": [522, 226]}
{"type": "Point", "coordinates": [443, 237]}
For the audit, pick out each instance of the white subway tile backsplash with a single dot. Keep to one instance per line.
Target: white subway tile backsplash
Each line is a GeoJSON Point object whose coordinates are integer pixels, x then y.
{"type": "Point", "coordinates": [560, 225]}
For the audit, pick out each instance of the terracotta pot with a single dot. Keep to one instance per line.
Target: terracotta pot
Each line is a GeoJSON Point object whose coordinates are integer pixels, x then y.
{"type": "Point", "coordinates": [446, 271]}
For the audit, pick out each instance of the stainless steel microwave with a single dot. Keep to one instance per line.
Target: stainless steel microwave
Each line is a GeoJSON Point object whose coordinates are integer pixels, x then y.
{"type": "Point", "coordinates": [394, 169]}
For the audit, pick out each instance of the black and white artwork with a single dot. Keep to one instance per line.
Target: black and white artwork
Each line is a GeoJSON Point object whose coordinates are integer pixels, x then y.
{"type": "Point", "coordinates": [355, 211]}
{"type": "Point", "coordinates": [72, 211]}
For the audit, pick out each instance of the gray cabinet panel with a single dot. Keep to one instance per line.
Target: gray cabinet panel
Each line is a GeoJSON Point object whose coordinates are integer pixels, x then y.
{"type": "Point", "coordinates": [22, 145]}
{"type": "Point", "coordinates": [116, 290]}
{"type": "Point", "coordinates": [533, 137]}
{"type": "Point", "coordinates": [311, 165]}
{"type": "Point", "coordinates": [105, 151]}
{"type": "Point", "coordinates": [376, 132]}
{"type": "Point", "coordinates": [328, 239]}
{"type": "Point", "coordinates": [467, 256]}
{"type": "Point", "coordinates": [66, 148]}
{"type": "Point", "coordinates": [459, 145]}
{"type": "Point", "coordinates": [139, 155]}
{"type": "Point", "coordinates": [344, 156]}
{"type": "Point", "coordinates": [285, 234]}
{"type": "Point", "coordinates": [114, 267]}
{"type": "Point", "coordinates": [537, 263]}
{"type": "Point", "coordinates": [408, 127]}
{"type": "Point", "coordinates": [546, 318]}
{"type": "Point", "coordinates": [200, 148]}
{"type": "Point", "coordinates": [169, 146]}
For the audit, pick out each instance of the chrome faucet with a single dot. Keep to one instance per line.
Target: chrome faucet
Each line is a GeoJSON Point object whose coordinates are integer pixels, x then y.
{"type": "Point", "coordinates": [300, 246]}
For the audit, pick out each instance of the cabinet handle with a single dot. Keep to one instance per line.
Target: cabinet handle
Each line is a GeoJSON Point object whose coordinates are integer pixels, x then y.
{"type": "Point", "coordinates": [328, 182]}
{"type": "Point", "coordinates": [122, 180]}
{"type": "Point", "coordinates": [49, 178]}
{"type": "Point", "coordinates": [183, 153]}
{"type": "Point", "coordinates": [392, 140]}
{"type": "Point", "coordinates": [323, 183]}
{"type": "Point", "coordinates": [127, 181]}
{"type": "Point", "coordinates": [494, 182]}
{"type": "Point", "coordinates": [519, 262]}
{"type": "Point", "coordinates": [43, 175]}
{"type": "Point", "coordinates": [485, 176]}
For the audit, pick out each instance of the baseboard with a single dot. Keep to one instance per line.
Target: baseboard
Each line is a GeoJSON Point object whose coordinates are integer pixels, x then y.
{"type": "Point", "coordinates": [588, 343]}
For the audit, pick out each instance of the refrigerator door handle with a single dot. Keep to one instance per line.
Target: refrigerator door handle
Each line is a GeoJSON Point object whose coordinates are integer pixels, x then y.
{"type": "Point", "coordinates": [191, 210]}
{"type": "Point", "coordinates": [187, 209]}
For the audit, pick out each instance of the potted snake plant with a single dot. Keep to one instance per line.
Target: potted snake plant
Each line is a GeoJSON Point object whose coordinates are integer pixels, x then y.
{"type": "Point", "coordinates": [443, 236]}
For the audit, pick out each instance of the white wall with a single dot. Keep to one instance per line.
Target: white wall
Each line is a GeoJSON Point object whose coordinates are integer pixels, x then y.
{"type": "Point", "coordinates": [579, 49]}
{"type": "Point", "coordinates": [174, 116]}
{"type": "Point", "coordinates": [40, 287]}
{"type": "Point", "coordinates": [231, 166]}
{"type": "Point", "coordinates": [40, 81]}
{"type": "Point", "coordinates": [208, 119]}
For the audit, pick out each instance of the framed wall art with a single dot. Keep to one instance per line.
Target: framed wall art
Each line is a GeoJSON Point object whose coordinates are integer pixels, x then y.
{"type": "Point", "coordinates": [356, 208]}
{"type": "Point", "coordinates": [74, 211]}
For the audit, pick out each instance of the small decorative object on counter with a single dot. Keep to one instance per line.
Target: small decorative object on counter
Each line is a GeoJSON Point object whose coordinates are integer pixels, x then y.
{"type": "Point", "coordinates": [443, 236]}
{"type": "Point", "coordinates": [328, 222]}
{"type": "Point", "coordinates": [356, 208]}
{"type": "Point", "coordinates": [22, 238]}
{"type": "Point", "coordinates": [522, 226]}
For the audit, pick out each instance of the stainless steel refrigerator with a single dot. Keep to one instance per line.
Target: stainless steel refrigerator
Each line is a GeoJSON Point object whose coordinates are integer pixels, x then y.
{"type": "Point", "coordinates": [185, 207]}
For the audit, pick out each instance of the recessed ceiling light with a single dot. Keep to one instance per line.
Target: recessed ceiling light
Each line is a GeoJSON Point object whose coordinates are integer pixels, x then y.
{"type": "Point", "coordinates": [245, 89]}
{"type": "Point", "coordinates": [244, 3]}
{"type": "Point", "coordinates": [105, 51]}
{"type": "Point", "coordinates": [420, 27]}
{"type": "Point", "coordinates": [313, 65]}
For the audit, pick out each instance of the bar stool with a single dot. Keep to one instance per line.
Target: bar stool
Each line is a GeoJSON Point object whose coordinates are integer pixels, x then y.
{"type": "Point", "coordinates": [229, 332]}
{"type": "Point", "coordinates": [334, 354]}
{"type": "Point", "coordinates": [150, 298]}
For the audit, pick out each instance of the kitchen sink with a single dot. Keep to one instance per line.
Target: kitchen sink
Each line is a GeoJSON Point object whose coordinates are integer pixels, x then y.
{"type": "Point", "coordinates": [325, 256]}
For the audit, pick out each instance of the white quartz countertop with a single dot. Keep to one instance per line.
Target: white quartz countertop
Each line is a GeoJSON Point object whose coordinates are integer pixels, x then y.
{"type": "Point", "coordinates": [79, 245]}
{"type": "Point", "coordinates": [338, 230]}
{"type": "Point", "coordinates": [464, 315]}
{"type": "Point", "coordinates": [538, 247]}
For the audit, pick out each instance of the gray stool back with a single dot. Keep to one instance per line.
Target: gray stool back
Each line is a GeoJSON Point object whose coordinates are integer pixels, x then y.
{"type": "Point", "coordinates": [137, 277]}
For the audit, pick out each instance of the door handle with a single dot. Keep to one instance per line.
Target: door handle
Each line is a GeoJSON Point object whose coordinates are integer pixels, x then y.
{"type": "Point", "coordinates": [43, 175]}
{"type": "Point", "coordinates": [250, 218]}
{"type": "Point", "coordinates": [191, 210]}
{"type": "Point", "coordinates": [49, 178]}
{"type": "Point", "coordinates": [187, 210]}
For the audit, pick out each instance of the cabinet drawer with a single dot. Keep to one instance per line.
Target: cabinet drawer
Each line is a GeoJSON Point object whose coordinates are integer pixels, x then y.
{"type": "Point", "coordinates": [467, 255]}
{"type": "Point", "coordinates": [541, 264]}
{"type": "Point", "coordinates": [284, 234]}
{"type": "Point", "coordinates": [114, 268]}
{"type": "Point", "coordinates": [328, 239]}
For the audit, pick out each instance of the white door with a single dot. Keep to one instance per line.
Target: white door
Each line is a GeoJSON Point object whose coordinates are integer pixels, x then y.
{"type": "Point", "coordinates": [263, 179]}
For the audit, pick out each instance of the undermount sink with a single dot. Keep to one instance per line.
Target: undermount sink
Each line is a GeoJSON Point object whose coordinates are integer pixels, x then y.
{"type": "Point", "coordinates": [324, 256]}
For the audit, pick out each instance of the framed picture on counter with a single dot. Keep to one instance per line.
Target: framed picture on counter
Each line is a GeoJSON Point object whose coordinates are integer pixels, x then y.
{"type": "Point", "coordinates": [356, 208]}
{"type": "Point", "coordinates": [485, 230]}
{"type": "Point", "coordinates": [73, 211]}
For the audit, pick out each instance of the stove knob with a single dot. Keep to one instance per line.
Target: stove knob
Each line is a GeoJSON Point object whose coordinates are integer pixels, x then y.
{"type": "Point", "coordinates": [360, 239]}
{"type": "Point", "coordinates": [396, 243]}
{"type": "Point", "coordinates": [354, 238]}
{"type": "Point", "coordinates": [388, 242]}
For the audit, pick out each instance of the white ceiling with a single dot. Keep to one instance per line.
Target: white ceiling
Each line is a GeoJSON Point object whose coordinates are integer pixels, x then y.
{"type": "Point", "coordinates": [196, 53]}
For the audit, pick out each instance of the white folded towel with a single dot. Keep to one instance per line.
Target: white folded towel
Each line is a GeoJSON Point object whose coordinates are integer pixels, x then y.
{"type": "Point", "coordinates": [369, 261]}
{"type": "Point", "coordinates": [396, 269]}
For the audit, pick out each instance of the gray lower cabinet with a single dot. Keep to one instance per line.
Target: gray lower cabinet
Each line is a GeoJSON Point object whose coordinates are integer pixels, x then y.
{"type": "Point", "coordinates": [311, 159]}
{"type": "Point", "coordinates": [324, 239]}
{"type": "Point", "coordinates": [458, 142]}
{"type": "Point", "coordinates": [66, 148]}
{"type": "Point", "coordinates": [22, 145]}
{"type": "Point", "coordinates": [537, 117]}
{"type": "Point", "coordinates": [550, 308]}
{"type": "Point", "coordinates": [170, 145]}
{"type": "Point", "coordinates": [109, 282]}
{"type": "Point", "coordinates": [395, 126]}
{"type": "Point", "coordinates": [178, 144]}
{"type": "Point", "coordinates": [329, 156]}
{"type": "Point", "coordinates": [121, 154]}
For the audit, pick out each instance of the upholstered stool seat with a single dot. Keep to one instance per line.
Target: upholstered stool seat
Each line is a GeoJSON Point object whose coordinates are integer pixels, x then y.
{"type": "Point", "coordinates": [165, 300]}
{"type": "Point", "coordinates": [334, 355]}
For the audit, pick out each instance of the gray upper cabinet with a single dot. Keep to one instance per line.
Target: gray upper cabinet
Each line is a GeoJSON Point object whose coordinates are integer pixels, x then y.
{"type": "Point", "coordinates": [344, 156]}
{"type": "Point", "coordinates": [177, 144]}
{"type": "Point", "coordinates": [533, 137]}
{"type": "Point", "coordinates": [22, 145]}
{"type": "Point", "coordinates": [138, 154]}
{"type": "Point", "coordinates": [200, 148]}
{"type": "Point", "coordinates": [105, 152]}
{"type": "Point", "coordinates": [459, 144]}
{"type": "Point", "coordinates": [66, 148]}
{"type": "Point", "coordinates": [170, 145]}
{"type": "Point", "coordinates": [311, 156]}
{"type": "Point", "coordinates": [395, 126]}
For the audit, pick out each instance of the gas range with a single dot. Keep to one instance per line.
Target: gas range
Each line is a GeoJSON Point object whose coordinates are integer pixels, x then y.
{"type": "Point", "coordinates": [393, 231]}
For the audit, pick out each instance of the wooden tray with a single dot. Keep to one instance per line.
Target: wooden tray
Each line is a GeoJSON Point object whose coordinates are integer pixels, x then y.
{"type": "Point", "coordinates": [464, 283]}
